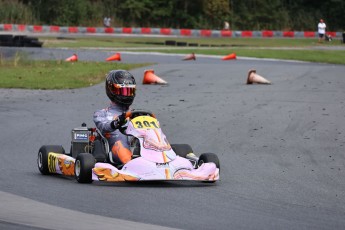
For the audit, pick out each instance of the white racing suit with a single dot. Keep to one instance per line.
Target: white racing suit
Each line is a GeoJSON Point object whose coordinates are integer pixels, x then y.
{"type": "Point", "coordinates": [118, 142]}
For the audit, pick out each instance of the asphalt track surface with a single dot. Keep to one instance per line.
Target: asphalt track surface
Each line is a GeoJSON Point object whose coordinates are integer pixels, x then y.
{"type": "Point", "coordinates": [281, 148]}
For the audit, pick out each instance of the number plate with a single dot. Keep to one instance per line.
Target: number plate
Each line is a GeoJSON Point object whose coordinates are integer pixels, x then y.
{"type": "Point", "coordinates": [145, 122]}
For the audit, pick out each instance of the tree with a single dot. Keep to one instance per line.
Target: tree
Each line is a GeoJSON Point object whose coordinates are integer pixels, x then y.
{"type": "Point", "coordinates": [196, 14]}
{"type": "Point", "coordinates": [216, 12]}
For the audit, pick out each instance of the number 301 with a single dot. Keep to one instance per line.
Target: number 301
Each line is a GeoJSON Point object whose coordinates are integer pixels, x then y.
{"type": "Point", "coordinates": [146, 124]}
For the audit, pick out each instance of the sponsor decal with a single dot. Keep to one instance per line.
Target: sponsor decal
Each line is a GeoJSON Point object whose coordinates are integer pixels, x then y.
{"type": "Point", "coordinates": [81, 136]}
{"type": "Point", "coordinates": [106, 174]}
{"type": "Point", "coordinates": [66, 165]}
{"type": "Point", "coordinates": [52, 161]}
{"type": "Point", "coordinates": [61, 164]}
{"type": "Point", "coordinates": [162, 165]}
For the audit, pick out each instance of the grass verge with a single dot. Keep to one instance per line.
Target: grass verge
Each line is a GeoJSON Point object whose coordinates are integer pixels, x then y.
{"type": "Point", "coordinates": [321, 56]}
{"type": "Point", "coordinates": [304, 49]}
{"type": "Point", "coordinates": [121, 42]}
{"type": "Point", "coordinates": [28, 74]}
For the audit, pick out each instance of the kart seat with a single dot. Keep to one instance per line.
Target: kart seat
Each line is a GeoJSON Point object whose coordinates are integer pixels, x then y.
{"type": "Point", "coordinates": [98, 151]}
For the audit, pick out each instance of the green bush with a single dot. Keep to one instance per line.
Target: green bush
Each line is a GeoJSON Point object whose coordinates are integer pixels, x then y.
{"type": "Point", "coordinates": [16, 12]}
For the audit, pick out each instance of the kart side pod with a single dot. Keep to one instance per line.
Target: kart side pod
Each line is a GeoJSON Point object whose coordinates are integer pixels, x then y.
{"type": "Point", "coordinates": [52, 159]}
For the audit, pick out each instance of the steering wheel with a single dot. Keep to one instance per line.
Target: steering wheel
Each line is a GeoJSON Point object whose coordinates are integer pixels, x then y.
{"type": "Point", "coordinates": [135, 113]}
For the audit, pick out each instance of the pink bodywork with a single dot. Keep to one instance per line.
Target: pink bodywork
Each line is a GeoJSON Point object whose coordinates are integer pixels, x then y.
{"type": "Point", "coordinates": [157, 161]}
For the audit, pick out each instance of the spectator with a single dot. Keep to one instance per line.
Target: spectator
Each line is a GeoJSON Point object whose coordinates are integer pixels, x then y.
{"type": "Point", "coordinates": [226, 25]}
{"type": "Point", "coordinates": [321, 30]}
{"type": "Point", "coordinates": [106, 22]}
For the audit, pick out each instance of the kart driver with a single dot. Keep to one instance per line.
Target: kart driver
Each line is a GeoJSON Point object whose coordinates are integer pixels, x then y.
{"type": "Point", "coordinates": [120, 88]}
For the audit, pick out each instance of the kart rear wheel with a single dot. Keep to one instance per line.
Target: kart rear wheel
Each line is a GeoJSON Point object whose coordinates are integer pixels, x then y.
{"type": "Point", "coordinates": [182, 149]}
{"type": "Point", "coordinates": [208, 157]}
{"type": "Point", "coordinates": [83, 167]}
{"type": "Point", "coordinates": [42, 156]}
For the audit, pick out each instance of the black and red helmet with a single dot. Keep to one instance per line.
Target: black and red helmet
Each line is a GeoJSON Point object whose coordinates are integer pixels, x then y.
{"type": "Point", "coordinates": [120, 87]}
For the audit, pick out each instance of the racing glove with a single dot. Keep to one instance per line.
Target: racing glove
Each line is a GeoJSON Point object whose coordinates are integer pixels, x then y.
{"type": "Point", "coordinates": [118, 121]}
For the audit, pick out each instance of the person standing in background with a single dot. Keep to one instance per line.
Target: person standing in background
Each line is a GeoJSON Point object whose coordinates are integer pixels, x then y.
{"type": "Point", "coordinates": [321, 30]}
{"type": "Point", "coordinates": [106, 22]}
{"type": "Point", "coordinates": [226, 26]}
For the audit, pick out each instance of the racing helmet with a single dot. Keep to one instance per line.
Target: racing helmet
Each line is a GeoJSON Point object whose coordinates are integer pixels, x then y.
{"type": "Point", "coordinates": [120, 87]}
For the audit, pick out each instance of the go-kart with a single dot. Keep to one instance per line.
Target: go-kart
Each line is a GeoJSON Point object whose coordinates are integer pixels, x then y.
{"type": "Point", "coordinates": [153, 158]}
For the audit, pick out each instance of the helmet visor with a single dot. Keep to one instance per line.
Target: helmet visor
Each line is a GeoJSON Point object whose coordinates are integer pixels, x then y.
{"type": "Point", "coordinates": [123, 90]}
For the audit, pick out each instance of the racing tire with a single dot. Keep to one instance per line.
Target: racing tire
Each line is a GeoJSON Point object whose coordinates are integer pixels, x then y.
{"type": "Point", "coordinates": [209, 157]}
{"type": "Point", "coordinates": [42, 156]}
{"type": "Point", "coordinates": [182, 149]}
{"type": "Point", "coordinates": [83, 166]}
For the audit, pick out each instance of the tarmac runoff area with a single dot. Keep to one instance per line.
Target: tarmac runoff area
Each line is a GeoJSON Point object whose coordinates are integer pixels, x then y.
{"type": "Point", "coordinates": [23, 213]}
{"type": "Point", "coordinates": [281, 148]}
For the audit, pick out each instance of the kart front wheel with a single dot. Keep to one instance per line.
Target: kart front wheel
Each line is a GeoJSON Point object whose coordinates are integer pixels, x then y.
{"type": "Point", "coordinates": [182, 149]}
{"type": "Point", "coordinates": [42, 156]}
{"type": "Point", "coordinates": [208, 157]}
{"type": "Point", "coordinates": [83, 167]}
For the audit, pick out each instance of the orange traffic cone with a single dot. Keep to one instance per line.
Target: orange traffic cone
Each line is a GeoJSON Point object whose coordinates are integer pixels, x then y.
{"type": "Point", "coordinates": [189, 57]}
{"type": "Point", "coordinates": [115, 57]}
{"type": "Point", "coordinates": [229, 57]}
{"type": "Point", "coordinates": [72, 58]}
{"type": "Point", "coordinates": [151, 78]}
{"type": "Point", "coordinates": [256, 78]}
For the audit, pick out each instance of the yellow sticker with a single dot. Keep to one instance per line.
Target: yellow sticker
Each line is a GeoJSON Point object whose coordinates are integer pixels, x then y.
{"type": "Point", "coordinates": [52, 161]}
{"type": "Point", "coordinates": [145, 122]}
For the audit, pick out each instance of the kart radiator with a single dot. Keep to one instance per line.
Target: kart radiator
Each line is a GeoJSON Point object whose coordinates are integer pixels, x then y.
{"type": "Point", "coordinates": [80, 141]}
